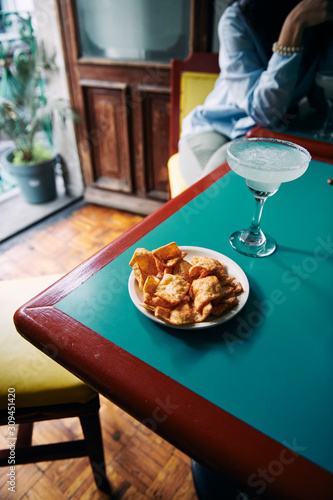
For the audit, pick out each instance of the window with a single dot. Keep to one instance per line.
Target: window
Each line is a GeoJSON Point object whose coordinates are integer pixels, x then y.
{"type": "Point", "coordinates": [144, 30]}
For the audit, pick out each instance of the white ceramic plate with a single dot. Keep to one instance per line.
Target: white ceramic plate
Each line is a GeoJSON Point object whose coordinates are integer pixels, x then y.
{"type": "Point", "coordinates": [232, 269]}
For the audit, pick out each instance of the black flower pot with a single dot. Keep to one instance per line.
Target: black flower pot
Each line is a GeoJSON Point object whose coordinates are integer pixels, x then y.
{"type": "Point", "coordinates": [36, 182]}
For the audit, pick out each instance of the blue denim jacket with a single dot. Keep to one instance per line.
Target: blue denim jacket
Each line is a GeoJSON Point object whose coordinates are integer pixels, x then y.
{"type": "Point", "coordinates": [251, 90]}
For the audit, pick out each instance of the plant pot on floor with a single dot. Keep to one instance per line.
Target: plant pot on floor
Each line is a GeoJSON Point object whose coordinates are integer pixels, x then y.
{"type": "Point", "coordinates": [36, 181]}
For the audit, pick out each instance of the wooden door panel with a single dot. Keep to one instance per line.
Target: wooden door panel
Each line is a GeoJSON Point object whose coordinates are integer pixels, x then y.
{"type": "Point", "coordinates": [155, 117]}
{"type": "Point", "coordinates": [109, 138]}
{"type": "Point", "coordinates": [123, 134]}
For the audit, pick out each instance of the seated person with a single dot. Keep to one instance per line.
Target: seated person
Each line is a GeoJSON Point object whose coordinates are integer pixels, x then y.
{"type": "Point", "coordinates": [269, 54]}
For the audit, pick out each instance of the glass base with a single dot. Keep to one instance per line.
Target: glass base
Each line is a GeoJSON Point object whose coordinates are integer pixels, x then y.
{"type": "Point", "coordinates": [322, 134]}
{"type": "Point", "coordinates": [263, 249]}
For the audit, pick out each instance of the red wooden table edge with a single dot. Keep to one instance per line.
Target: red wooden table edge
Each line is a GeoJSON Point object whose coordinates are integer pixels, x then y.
{"type": "Point", "coordinates": [243, 460]}
{"type": "Point", "coordinates": [319, 150]}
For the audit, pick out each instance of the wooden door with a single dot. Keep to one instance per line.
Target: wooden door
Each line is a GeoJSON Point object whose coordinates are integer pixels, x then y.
{"type": "Point", "coordinates": [124, 105]}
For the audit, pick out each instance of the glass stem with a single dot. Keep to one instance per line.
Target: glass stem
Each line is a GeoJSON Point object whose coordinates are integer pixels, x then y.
{"type": "Point", "coordinates": [255, 224]}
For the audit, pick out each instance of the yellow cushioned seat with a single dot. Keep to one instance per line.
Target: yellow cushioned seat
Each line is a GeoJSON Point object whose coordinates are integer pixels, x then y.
{"type": "Point", "coordinates": [37, 379]}
{"type": "Point", "coordinates": [43, 391]}
{"type": "Point", "coordinates": [194, 88]}
{"type": "Point", "coordinates": [176, 181]}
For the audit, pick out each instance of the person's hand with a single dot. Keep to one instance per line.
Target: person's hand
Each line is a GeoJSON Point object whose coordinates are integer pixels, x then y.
{"type": "Point", "coordinates": [307, 13]}
{"type": "Point", "coordinates": [312, 12]}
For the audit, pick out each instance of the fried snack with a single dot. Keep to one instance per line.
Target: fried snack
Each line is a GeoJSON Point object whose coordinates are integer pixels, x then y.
{"type": "Point", "coordinates": [224, 305]}
{"type": "Point", "coordinates": [145, 260]}
{"type": "Point", "coordinates": [205, 266]}
{"type": "Point", "coordinates": [181, 292]}
{"type": "Point", "coordinates": [181, 269]}
{"type": "Point", "coordinates": [238, 289]}
{"type": "Point", "coordinates": [225, 279]}
{"type": "Point", "coordinates": [172, 289]}
{"type": "Point", "coordinates": [183, 314]}
{"type": "Point", "coordinates": [167, 252]}
{"type": "Point", "coordinates": [205, 290]}
{"type": "Point", "coordinates": [167, 256]}
{"type": "Point", "coordinates": [180, 315]}
{"type": "Point", "coordinates": [150, 285]}
{"type": "Point", "coordinates": [154, 301]}
{"type": "Point", "coordinates": [201, 316]}
{"type": "Point", "coordinates": [149, 289]}
{"type": "Point", "coordinates": [139, 275]}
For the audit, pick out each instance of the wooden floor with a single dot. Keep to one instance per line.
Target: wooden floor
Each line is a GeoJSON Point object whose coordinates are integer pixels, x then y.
{"type": "Point", "coordinates": [140, 465]}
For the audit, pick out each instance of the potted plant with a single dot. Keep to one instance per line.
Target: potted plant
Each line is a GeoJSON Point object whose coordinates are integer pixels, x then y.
{"type": "Point", "coordinates": [26, 115]}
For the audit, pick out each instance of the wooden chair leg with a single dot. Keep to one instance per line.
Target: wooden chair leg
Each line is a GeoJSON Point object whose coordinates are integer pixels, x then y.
{"type": "Point", "coordinates": [93, 437]}
{"type": "Point", "coordinates": [24, 435]}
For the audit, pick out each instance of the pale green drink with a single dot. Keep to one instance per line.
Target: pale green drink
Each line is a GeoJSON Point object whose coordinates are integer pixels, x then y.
{"type": "Point", "coordinates": [266, 165]}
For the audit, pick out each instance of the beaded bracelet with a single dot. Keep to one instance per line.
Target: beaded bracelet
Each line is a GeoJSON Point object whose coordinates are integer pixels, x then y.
{"type": "Point", "coordinates": [286, 51]}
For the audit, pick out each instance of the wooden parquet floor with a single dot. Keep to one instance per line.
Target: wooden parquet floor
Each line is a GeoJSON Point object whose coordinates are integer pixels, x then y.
{"type": "Point", "coordinates": [140, 465]}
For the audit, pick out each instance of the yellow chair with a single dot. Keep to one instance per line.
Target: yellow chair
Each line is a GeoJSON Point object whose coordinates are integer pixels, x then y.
{"type": "Point", "coordinates": [39, 389]}
{"type": "Point", "coordinates": [191, 81]}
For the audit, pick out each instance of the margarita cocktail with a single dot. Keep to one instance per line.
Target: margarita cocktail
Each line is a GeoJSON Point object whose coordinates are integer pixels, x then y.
{"type": "Point", "coordinates": [324, 79]}
{"type": "Point", "coordinates": [265, 163]}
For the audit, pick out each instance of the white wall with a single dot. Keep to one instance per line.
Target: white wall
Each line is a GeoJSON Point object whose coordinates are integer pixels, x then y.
{"type": "Point", "coordinates": [46, 27]}
{"type": "Point", "coordinates": [19, 5]}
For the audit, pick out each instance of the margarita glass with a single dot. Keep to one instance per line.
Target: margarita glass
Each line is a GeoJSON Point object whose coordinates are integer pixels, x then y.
{"type": "Point", "coordinates": [265, 163]}
{"type": "Point", "coordinates": [324, 79]}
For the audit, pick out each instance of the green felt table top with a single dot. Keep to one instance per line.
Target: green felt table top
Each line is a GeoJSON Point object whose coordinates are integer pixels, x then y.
{"type": "Point", "coordinates": [271, 366]}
